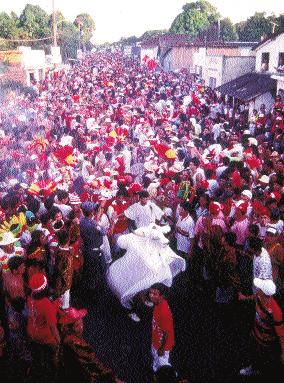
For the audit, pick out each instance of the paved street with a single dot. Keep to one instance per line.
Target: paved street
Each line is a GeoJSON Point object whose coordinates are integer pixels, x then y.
{"type": "Point", "coordinates": [209, 348]}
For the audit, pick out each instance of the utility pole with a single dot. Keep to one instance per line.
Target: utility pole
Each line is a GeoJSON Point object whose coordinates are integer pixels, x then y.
{"type": "Point", "coordinates": [54, 24]}
{"type": "Point", "coordinates": [273, 26]}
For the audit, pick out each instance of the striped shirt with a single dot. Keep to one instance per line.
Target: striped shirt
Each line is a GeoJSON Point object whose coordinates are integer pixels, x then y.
{"type": "Point", "coordinates": [268, 324]}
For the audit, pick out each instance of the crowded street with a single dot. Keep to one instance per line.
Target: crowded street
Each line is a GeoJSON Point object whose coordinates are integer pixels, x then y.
{"type": "Point", "coordinates": [141, 218]}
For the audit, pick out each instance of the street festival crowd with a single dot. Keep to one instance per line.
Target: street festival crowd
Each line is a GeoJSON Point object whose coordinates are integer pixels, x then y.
{"type": "Point", "coordinates": [108, 146]}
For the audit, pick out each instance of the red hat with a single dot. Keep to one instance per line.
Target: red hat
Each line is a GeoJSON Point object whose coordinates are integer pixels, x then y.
{"type": "Point", "coordinates": [214, 207]}
{"type": "Point", "coordinates": [37, 282]}
{"type": "Point", "coordinates": [71, 315]}
{"type": "Point", "coordinates": [242, 206]}
{"type": "Point", "coordinates": [259, 208]}
{"type": "Point", "coordinates": [204, 184]}
{"type": "Point", "coordinates": [135, 188]}
{"type": "Point", "coordinates": [85, 196]}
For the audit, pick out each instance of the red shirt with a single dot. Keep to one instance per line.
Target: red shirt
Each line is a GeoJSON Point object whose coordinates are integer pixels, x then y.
{"type": "Point", "coordinates": [122, 222]}
{"type": "Point", "coordinates": [268, 324]}
{"type": "Point", "coordinates": [42, 315]}
{"type": "Point", "coordinates": [162, 322]}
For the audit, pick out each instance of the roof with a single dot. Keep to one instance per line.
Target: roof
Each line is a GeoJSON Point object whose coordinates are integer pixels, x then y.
{"type": "Point", "coordinates": [166, 40]}
{"type": "Point", "coordinates": [248, 86]}
{"type": "Point", "coordinates": [269, 38]}
{"type": "Point", "coordinates": [169, 40]}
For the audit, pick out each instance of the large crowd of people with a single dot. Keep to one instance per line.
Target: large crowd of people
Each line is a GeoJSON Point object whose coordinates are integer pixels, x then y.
{"type": "Point", "coordinates": [107, 146]}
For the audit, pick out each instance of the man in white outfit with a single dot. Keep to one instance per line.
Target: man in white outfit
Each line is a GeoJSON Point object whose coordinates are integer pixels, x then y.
{"type": "Point", "coordinates": [144, 212]}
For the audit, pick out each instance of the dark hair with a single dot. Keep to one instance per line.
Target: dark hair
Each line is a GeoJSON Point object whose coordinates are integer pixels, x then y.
{"type": "Point", "coordinates": [53, 211]}
{"type": "Point", "coordinates": [160, 287]}
{"type": "Point", "coordinates": [44, 218]}
{"type": "Point", "coordinates": [144, 194]}
{"type": "Point", "coordinates": [122, 191]}
{"type": "Point", "coordinates": [62, 194]}
{"type": "Point", "coordinates": [226, 161]}
{"type": "Point", "coordinates": [230, 238]}
{"type": "Point", "coordinates": [209, 173]}
{"type": "Point", "coordinates": [15, 262]}
{"type": "Point", "coordinates": [254, 229]}
{"type": "Point", "coordinates": [255, 244]}
{"type": "Point", "coordinates": [186, 206]}
{"type": "Point", "coordinates": [275, 213]}
{"type": "Point", "coordinates": [62, 237]}
{"type": "Point", "coordinates": [108, 156]}
{"type": "Point", "coordinates": [195, 161]}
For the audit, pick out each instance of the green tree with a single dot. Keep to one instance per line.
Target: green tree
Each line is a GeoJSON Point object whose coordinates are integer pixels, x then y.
{"type": "Point", "coordinates": [153, 33]}
{"type": "Point", "coordinates": [8, 30]}
{"type": "Point", "coordinates": [195, 17]}
{"type": "Point", "coordinates": [68, 40]}
{"type": "Point", "coordinates": [254, 27]}
{"type": "Point", "coordinates": [86, 26]}
{"type": "Point", "coordinates": [128, 40]}
{"type": "Point", "coordinates": [228, 30]}
{"type": "Point", "coordinates": [34, 21]}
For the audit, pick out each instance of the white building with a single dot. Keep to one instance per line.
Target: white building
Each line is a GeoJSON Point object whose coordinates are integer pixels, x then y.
{"type": "Point", "coordinates": [150, 48]}
{"type": "Point", "coordinates": [261, 86]}
{"type": "Point", "coordinates": [219, 62]}
{"type": "Point", "coordinates": [34, 63]}
{"type": "Point", "coordinates": [269, 58]}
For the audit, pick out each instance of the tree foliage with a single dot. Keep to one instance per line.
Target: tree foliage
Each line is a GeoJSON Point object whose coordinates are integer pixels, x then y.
{"type": "Point", "coordinates": [128, 40]}
{"type": "Point", "coordinates": [228, 30]}
{"type": "Point", "coordinates": [86, 26]}
{"type": "Point", "coordinates": [195, 18]}
{"type": "Point", "coordinates": [254, 27]}
{"type": "Point", "coordinates": [153, 33]}
{"type": "Point", "coordinates": [35, 23]}
{"type": "Point", "coordinates": [69, 36]}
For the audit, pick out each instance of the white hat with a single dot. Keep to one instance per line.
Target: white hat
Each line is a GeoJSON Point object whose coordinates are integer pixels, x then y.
{"type": "Point", "coordinates": [271, 230]}
{"type": "Point", "coordinates": [246, 132]}
{"type": "Point", "coordinates": [247, 193]}
{"type": "Point", "coordinates": [7, 239]}
{"type": "Point", "coordinates": [176, 168]}
{"type": "Point", "coordinates": [190, 144]}
{"type": "Point", "coordinates": [264, 179]}
{"type": "Point", "coordinates": [150, 166]}
{"type": "Point", "coordinates": [267, 286]}
{"type": "Point", "coordinates": [252, 141]}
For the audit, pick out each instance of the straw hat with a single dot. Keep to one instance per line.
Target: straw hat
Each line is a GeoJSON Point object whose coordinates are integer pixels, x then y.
{"type": "Point", "coordinates": [7, 239]}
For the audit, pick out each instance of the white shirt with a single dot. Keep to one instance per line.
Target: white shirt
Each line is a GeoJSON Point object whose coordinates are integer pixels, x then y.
{"type": "Point", "coordinates": [183, 241]}
{"type": "Point", "coordinates": [197, 172]}
{"type": "Point", "coordinates": [144, 215]}
{"type": "Point", "coordinates": [262, 265]}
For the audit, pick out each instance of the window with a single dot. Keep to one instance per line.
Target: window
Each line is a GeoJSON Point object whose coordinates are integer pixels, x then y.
{"type": "Point", "coordinates": [32, 77]}
{"type": "Point", "coordinates": [198, 70]}
{"type": "Point", "coordinates": [212, 82]}
{"type": "Point", "coordinates": [280, 65]}
{"type": "Point", "coordinates": [264, 61]}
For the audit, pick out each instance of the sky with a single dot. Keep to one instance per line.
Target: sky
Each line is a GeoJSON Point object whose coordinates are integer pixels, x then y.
{"type": "Point", "coordinates": [123, 18]}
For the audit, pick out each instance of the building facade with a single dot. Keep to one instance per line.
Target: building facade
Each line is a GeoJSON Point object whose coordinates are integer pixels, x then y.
{"type": "Point", "coordinates": [220, 62]}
